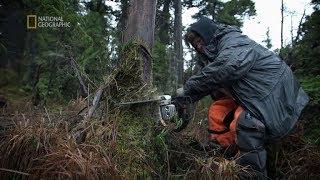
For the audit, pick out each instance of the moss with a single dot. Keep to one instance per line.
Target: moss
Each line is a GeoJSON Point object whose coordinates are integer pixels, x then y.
{"type": "Point", "coordinates": [134, 150]}
{"type": "Point", "coordinates": [130, 85]}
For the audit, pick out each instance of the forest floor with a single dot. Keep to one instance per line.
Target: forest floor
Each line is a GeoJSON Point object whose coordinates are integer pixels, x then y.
{"type": "Point", "coordinates": [41, 142]}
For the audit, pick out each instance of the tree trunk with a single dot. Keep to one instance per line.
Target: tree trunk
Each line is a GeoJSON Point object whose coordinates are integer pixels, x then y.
{"type": "Point", "coordinates": [299, 31]}
{"type": "Point", "coordinates": [282, 18]}
{"type": "Point", "coordinates": [212, 7]}
{"type": "Point", "coordinates": [164, 23]}
{"type": "Point", "coordinates": [36, 95]}
{"type": "Point", "coordinates": [178, 50]}
{"type": "Point", "coordinates": [142, 117]}
{"type": "Point", "coordinates": [78, 74]}
{"type": "Point", "coordinates": [141, 25]}
{"type": "Point", "coordinates": [12, 35]}
{"type": "Point", "coordinates": [122, 19]}
{"type": "Point", "coordinates": [291, 29]}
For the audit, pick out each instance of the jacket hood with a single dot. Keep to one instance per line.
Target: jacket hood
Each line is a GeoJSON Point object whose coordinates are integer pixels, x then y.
{"type": "Point", "coordinates": [210, 30]}
{"type": "Point", "coordinates": [205, 27]}
{"type": "Point", "coordinates": [212, 33]}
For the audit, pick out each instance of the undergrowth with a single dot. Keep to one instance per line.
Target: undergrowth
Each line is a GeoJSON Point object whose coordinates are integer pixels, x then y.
{"type": "Point", "coordinates": [127, 142]}
{"type": "Point", "coordinates": [59, 142]}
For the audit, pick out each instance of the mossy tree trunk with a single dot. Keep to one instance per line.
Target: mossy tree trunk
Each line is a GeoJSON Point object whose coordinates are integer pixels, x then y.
{"type": "Point", "coordinates": [141, 25]}
{"type": "Point", "coordinates": [138, 124]}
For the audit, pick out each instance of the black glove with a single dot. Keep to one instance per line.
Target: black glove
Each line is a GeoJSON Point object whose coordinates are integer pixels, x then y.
{"type": "Point", "coordinates": [184, 108]}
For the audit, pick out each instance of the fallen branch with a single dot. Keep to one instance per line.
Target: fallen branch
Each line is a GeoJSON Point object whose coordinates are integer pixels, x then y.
{"type": "Point", "coordinates": [95, 101]}
{"type": "Point", "coordinates": [80, 133]}
{"type": "Point", "coordinates": [78, 74]}
{"type": "Point", "coordinates": [299, 31]}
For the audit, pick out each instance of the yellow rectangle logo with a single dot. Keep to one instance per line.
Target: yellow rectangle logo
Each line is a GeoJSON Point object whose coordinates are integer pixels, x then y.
{"type": "Point", "coordinates": [31, 21]}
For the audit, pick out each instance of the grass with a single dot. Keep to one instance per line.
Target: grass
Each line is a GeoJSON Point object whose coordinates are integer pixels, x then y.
{"type": "Point", "coordinates": [41, 143]}
{"type": "Point", "coordinates": [43, 147]}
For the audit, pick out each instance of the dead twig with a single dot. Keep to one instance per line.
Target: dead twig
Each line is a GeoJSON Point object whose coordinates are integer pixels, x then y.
{"type": "Point", "coordinates": [95, 101]}
{"type": "Point", "coordinates": [14, 171]}
{"type": "Point", "coordinates": [78, 74]}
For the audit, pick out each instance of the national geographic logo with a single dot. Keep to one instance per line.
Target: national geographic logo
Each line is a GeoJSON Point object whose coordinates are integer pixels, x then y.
{"type": "Point", "coordinates": [34, 21]}
{"type": "Point", "coordinates": [31, 21]}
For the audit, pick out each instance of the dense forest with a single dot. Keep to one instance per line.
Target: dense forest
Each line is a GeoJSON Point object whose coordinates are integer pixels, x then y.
{"type": "Point", "coordinates": [60, 89]}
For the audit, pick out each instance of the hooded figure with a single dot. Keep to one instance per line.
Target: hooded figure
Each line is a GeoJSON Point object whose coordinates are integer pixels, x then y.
{"type": "Point", "coordinates": [257, 79]}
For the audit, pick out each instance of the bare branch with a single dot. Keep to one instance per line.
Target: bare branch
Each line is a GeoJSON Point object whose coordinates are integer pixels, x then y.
{"type": "Point", "coordinates": [282, 19]}
{"type": "Point", "coordinates": [95, 101]}
{"type": "Point", "coordinates": [78, 74]}
{"type": "Point", "coordinates": [299, 31]}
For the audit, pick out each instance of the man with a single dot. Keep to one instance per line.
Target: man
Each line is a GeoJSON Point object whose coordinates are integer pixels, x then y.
{"type": "Point", "coordinates": [257, 80]}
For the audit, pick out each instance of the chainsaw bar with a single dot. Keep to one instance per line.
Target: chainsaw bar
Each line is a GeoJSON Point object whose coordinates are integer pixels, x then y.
{"type": "Point", "coordinates": [163, 99]}
{"type": "Point", "coordinates": [140, 102]}
{"type": "Point", "coordinates": [166, 109]}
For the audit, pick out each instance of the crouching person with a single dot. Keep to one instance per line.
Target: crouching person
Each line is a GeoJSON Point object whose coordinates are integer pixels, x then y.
{"type": "Point", "coordinates": [265, 98]}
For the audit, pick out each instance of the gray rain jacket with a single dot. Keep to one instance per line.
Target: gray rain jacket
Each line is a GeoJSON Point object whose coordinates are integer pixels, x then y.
{"type": "Point", "coordinates": [257, 78]}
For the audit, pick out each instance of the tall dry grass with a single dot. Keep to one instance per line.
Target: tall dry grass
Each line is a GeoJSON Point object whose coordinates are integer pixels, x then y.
{"type": "Point", "coordinates": [41, 146]}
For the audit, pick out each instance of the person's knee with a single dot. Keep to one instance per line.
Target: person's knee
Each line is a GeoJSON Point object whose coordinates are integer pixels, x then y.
{"type": "Point", "coordinates": [250, 133]}
{"type": "Point", "coordinates": [257, 159]}
{"type": "Point", "coordinates": [251, 143]}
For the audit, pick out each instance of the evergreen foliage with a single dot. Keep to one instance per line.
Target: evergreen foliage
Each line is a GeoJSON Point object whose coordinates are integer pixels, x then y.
{"type": "Point", "coordinates": [268, 40]}
{"type": "Point", "coordinates": [306, 54]}
{"type": "Point", "coordinates": [229, 12]}
{"type": "Point", "coordinates": [52, 49]}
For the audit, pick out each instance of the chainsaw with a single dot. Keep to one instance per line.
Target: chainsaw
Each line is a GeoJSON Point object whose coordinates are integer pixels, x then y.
{"type": "Point", "coordinates": [169, 107]}
{"type": "Point", "coordinates": [183, 108]}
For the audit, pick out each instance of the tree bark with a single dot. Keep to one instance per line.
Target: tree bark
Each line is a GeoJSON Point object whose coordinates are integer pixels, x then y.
{"type": "Point", "coordinates": [122, 19]}
{"type": "Point", "coordinates": [140, 29]}
{"type": "Point", "coordinates": [282, 19]}
{"type": "Point", "coordinates": [164, 23]}
{"type": "Point", "coordinates": [178, 49]}
{"type": "Point", "coordinates": [95, 101]}
{"type": "Point", "coordinates": [299, 31]}
{"type": "Point", "coordinates": [13, 35]}
{"type": "Point", "coordinates": [141, 25]}
{"type": "Point", "coordinates": [212, 7]}
{"type": "Point", "coordinates": [78, 74]}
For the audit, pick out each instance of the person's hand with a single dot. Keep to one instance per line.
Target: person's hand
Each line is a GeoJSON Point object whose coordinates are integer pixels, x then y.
{"type": "Point", "coordinates": [184, 107]}
{"type": "Point", "coordinates": [180, 92]}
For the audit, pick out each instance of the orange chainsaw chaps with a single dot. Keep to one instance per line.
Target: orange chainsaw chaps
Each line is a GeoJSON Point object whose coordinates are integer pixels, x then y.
{"type": "Point", "coordinates": [218, 111]}
{"type": "Point", "coordinates": [225, 139]}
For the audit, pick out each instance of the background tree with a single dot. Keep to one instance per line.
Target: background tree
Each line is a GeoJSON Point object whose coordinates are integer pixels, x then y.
{"type": "Point", "coordinates": [307, 50]}
{"type": "Point", "coordinates": [12, 34]}
{"type": "Point", "coordinates": [231, 12]}
{"type": "Point", "coordinates": [268, 40]}
{"type": "Point", "coordinates": [49, 51]}
{"type": "Point", "coordinates": [178, 49]}
{"type": "Point", "coordinates": [121, 19]}
{"type": "Point", "coordinates": [282, 19]}
{"type": "Point", "coordinates": [163, 21]}
{"type": "Point", "coordinates": [163, 65]}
